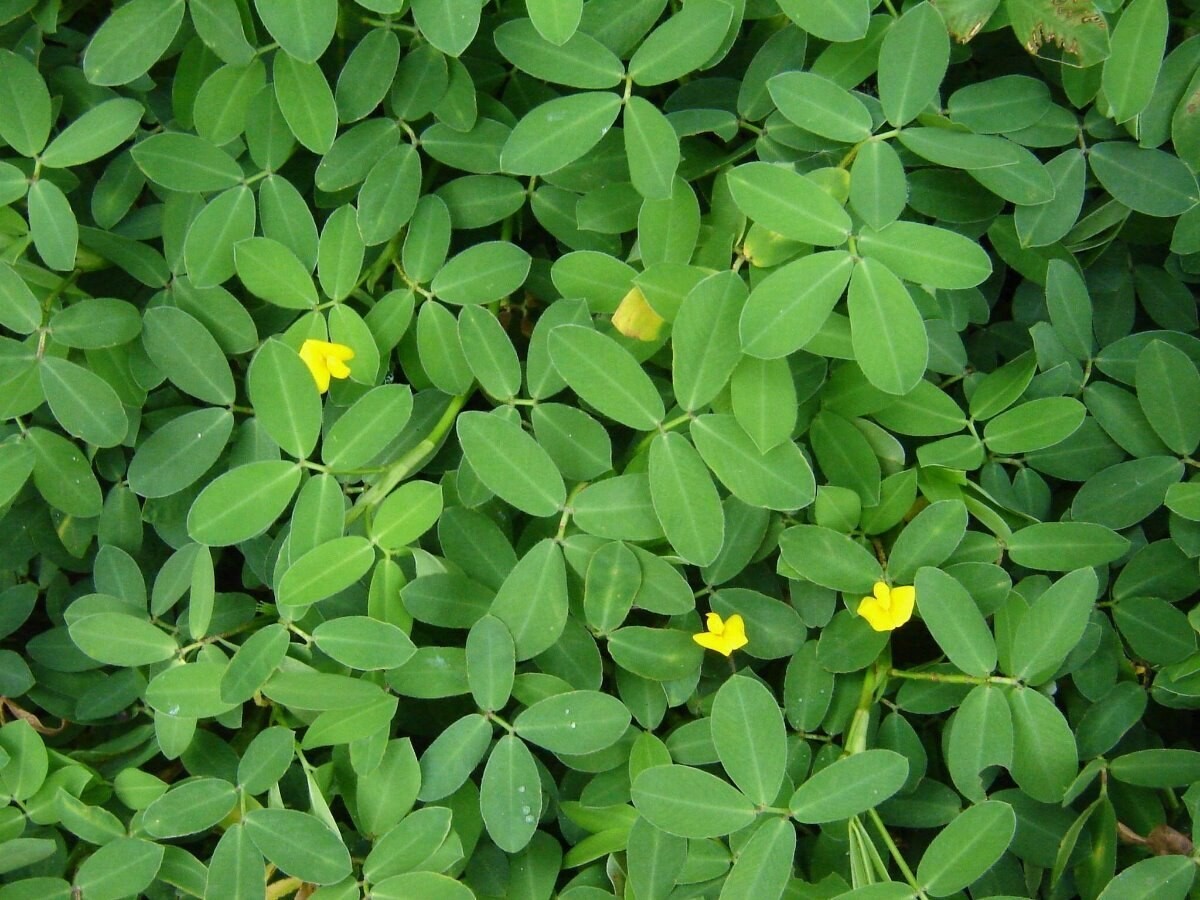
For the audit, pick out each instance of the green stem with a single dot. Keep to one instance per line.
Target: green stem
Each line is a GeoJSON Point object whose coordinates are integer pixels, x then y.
{"type": "Point", "coordinates": [950, 678]}
{"type": "Point", "coordinates": [896, 855]}
{"type": "Point", "coordinates": [856, 734]}
{"type": "Point", "coordinates": [407, 464]}
{"type": "Point", "coordinates": [566, 513]}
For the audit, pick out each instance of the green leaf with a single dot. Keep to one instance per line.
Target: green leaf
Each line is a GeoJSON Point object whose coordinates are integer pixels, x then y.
{"type": "Point", "coordinates": [25, 116]}
{"type": "Point", "coordinates": [1162, 877]}
{"type": "Point", "coordinates": [532, 601]}
{"type": "Point", "coordinates": [821, 106]}
{"type": "Point", "coordinates": [878, 187]}
{"type": "Point", "coordinates": [187, 354]}
{"type": "Point", "coordinates": [1125, 494]}
{"type": "Point", "coordinates": [368, 427]}
{"type": "Point", "coordinates": [98, 131]}
{"type": "Point", "coordinates": [389, 195]}
{"type": "Point", "coordinates": [788, 203]}
{"type": "Point", "coordinates": [236, 869]}
{"type": "Point", "coordinates": [242, 502]}
{"type": "Point", "coordinates": [299, 844]}
{"type": "Point", "coordinates": [510, 794]}
{"type": "Point", "coordinates": [186, 163]}
{"type": "Point", "coordinates": [578, 61]}
{"type": "Point", "coordinates": [1045, 760]}
{"type": "Point", "coordinates": [223, 101]}
{"type": "Point", "coordinates": [1157, 768]}
{"type": "Point", "coordinates": [838, 21]}
{"type": "Point", "coordinates": [131, 40]}
{"type": "Point", "coordinates": [913, 59]}
{"type": "Point", "coordinates": [284, 397]}
{"type": "Point", "coordinates": [685, 499]}
{"type": "Point", "coordinates": [1052, 626]}
{"type": "Point", "coordinates": [122, 640]}
{"type": "Point", "coordinates": [576, 722]}
{"type": "Point", "coordinates": [340, 253]}
{"type": "Point", "coordinates": [966, 848]}
{"type": "Point", "coordinates": [361, 642]}
{"type": "Point", "coordinates": [62, 475]}
{"type": "Point", "coordinates": [179, 452]}
{"type": "Point", "coordinates": [749, 736]}
{"type": "Point", "coordinates": [367, 76]}
{"type": "Point", "coordinates": [830, 559]}
{"type": "Point", "coordinates": [122, 868]}
{"type": "Point", "coordinates": [19, 308]}
{"type": "Point", "coordinates": [491, 663]}
{"type": "Point", "coordinates": [779, 479]}
{"type": "Point", "coordinates": [655, 653]}
{"type": "Point", "coordinates": [1146, 180]}
{"type": "Point", "coordinates": [681, 44]}
{"type": "Point", "coordinates": [927, 254]}
{"type": "Point", "coordinates": [271, 271]}
{"type": "Point", "coordinates": [559, 131]}
{"type": "Point", "coordinates": [428, 885]}
{"type": "Point", "coordinates": [555, 20]}
{"type": "Point", "coordinates": [704, 339]}
{"type": "Point", "coordinates": [208, 249]}
{"type": "Point", "coordinates": [611, 584]}
{"type": "Point", "coordinates": [511, 463]}
{"type": "Point", "coordinates": [191, 690]}
{"type": "Point", "coordinates": [1169, 391]}
{"type": "Point", "coordinates": [306, 102]}
{"type": "Point", "coordinates": [53, 226]}
{"type": "Point", "coordinates": [928, 539]}
{"type": "Point", "coordinates": [786, 309]}
{"type": "Point", "coordinates": [955, 622]}
{"type": "Point", "coordinates": [606, 376]}
{"type": "Point", "coordinates": [1062, 546]}
{"type": "Point", "coordinates": [83, 402]}
{"type": "Point", "coordinates": [453, 755]}
{"type": "Point", "coordinates": [652, 148]}
{"type": "Point", "coordinates": [302, 28]}
{"type": "Point", "coordinates": [981, 736]}
{"type": "Point", "coordinates": [189, 807]}
{"type": "Point", "coordinates": [1034, 425]}
{"type": "Point", "coordinates": [1042, 224]}
{"type": "Point", "coordinates": [690, 803]}
{"type": "Point", "coordinates": [849, 786]}
{"type": "Point", "coordinates": [888, 334]}
{"type": "Point", "coordinates": [449, 25]}
{"type": "Point", "coordinates": [16, 464]}
{"type": "Point", "coordinates": [325, 570]}
{"type": "Point", "coordinates": [482, 273]}
{"type": "Point", "coordinates": [1136, 51]}
{"type": "Point", "coordinates": [253, 663]}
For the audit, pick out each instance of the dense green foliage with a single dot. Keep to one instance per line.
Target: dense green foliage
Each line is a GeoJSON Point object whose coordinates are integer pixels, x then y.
{"type": "Point", "coordinates": [393, 391]}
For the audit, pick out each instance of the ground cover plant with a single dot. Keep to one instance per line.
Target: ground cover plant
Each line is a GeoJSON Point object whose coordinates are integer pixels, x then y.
{"type": "Point", "coordinates": [637, 448]}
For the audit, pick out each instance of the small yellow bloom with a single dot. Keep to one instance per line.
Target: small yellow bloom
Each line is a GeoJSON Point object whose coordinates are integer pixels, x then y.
{"type": "Point", "coordinates": [890, 608]}
{"type": "Point", "coordinates": [722, 636]}
{"type": "Point", "coordinates": [635, 318]}
{"type": "Point", "coordinates": [325, 359]}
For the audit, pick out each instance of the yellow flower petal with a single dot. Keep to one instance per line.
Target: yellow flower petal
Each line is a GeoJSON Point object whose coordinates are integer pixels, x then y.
{"type": "Point", "coordinates": [904, 599]}
{"type": "Point", "coordinates": [722, 636]}
{"type": "Point", "coordinates": [876, 613]}
{"type": "Point", "coordinates": [325, 359]}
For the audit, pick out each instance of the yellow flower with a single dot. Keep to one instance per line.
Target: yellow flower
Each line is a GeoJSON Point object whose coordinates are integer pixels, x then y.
{"type": "Point", "coordinates": [722, 636]}
{"type": "Point", "coordinates": [635, 318]}
{"type": "Point", "coordinates": [325, 359]}
{"type": "Point", "coordinates": [890, 608]}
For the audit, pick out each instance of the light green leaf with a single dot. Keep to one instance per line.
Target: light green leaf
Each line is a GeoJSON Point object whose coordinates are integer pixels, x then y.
{"type": "Point", "coordinates": [511, 463]}
{"type": "Point", "coordinates": [888, 334]}
{"type": "Point", "coordinates": [299, 844]}
{"type": "Point", "coordinates": [242, 502]}
{"type": "Point", "coordinates": [681, 44]}
{"type": "Point", "coordinates": [131, 40]}
{"type": "Point", "coordinates": [748, 733]}
{"type": "Point", "coordinates": [1034, 425]}
{"type": "Point", "coordinates": [83, 403]}
{"type": "Point", "coordinates": [306, 102]}
{"type": "Point", "coordinates": [913, 59]}
{"type": "Point", "coordinates": [303, 28]}
{"type": "Point", "coordinates": [786, 309]}
{"type": "Point", "coordinates": [325, 570]}
{"type": "Point", "coordinates": [482, 273]}
{"type": "Point", "coordinates": [685, 499]}
{"type": "Point", "coordinates": [271, 271]}
{"type": "Point", "coordinates": [606, 376]}
{"type": "Point", "coordinates": [830, 559]}
{"type": "Point", "coordinates": [558, 132]}
{"type": "Point", "coordinates": [690, 803]}
{"type": "Point", "coordinates": [510, 794]}
{"type": "Point", "coordinates": [53, 226]}
{"type": "Point", "coordinates": [849, 786]}
{"type": "Point", "coordinates": [955, 622]}
{"type": "Point", "coordinates": [966, 848]}
{"type": "Point", "coordinates": [1135, 54]}
{"type": "Point", "coordinates": [789, 203]}
{"type": "Point", "coordinates": [927, 254]}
